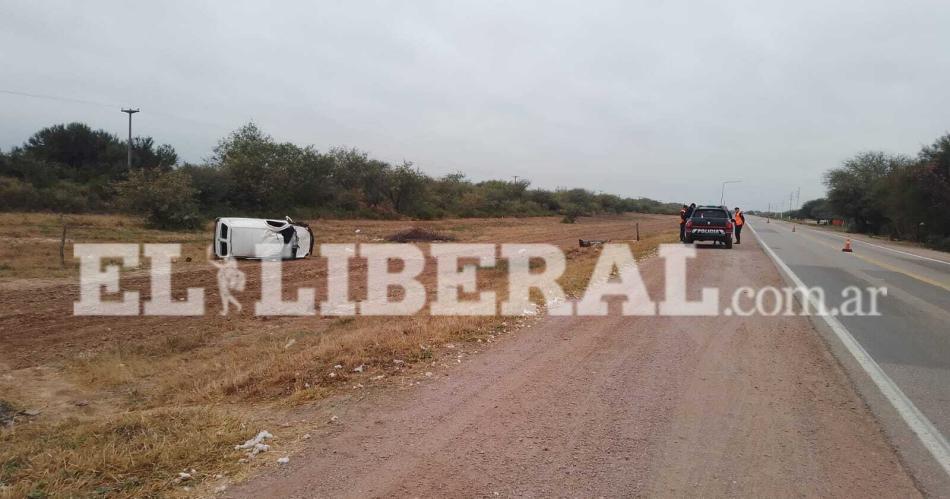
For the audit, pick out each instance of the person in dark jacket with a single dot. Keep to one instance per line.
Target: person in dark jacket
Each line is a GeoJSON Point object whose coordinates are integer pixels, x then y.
{"type": "Point", "coordinates": [683, 222]}
{"type": "Point", "coordinates": [685, 216]}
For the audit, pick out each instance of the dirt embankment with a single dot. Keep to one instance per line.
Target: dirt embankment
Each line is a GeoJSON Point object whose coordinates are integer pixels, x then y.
{"type": "Point", "coordinates": [614, 406]}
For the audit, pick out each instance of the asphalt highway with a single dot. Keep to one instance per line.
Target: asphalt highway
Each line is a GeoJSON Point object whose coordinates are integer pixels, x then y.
{"type": "Point", "coordinates": [909, 342]}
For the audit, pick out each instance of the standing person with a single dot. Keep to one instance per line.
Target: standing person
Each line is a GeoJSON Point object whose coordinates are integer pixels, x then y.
{"type": "Point", "coordinates": [690, 210]}
{"type": "Point", "coordinates": [683, 222]}
{"type": "Point", "coordinates": [689, 213]}
{"type": "Point", "coordinates": [739, 218]}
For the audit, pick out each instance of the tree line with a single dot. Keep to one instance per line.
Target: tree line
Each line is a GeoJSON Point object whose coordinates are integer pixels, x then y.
{"type": "Point", "coordinates": [899, 196]}
{"type": "Point", "coordinates": [73, 168]}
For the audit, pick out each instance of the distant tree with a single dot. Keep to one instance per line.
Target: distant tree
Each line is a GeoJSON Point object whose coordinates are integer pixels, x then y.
{"type": "Point", "coordinates": [166, 199]}
{"type": "Point", "coordinates": [815, 209]}
{"type": "Point", "coordinates": [857, 190]}
{"type": "Point", "coordinates": [88, 153]}
{"type": "Point", "coordinates": [146, 156]}
{"type": "Point", "coordinates": [407, 189]}
{"type": "Point", "coordinates": [933, 185]}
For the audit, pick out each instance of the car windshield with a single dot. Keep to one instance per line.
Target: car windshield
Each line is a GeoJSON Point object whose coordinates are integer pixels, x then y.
{"type": "Point", "coordinates": [710, 213]}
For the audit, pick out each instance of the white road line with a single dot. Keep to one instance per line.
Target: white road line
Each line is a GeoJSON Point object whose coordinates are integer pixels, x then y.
{"type": "Point", "coordinates": [878, 246]}
{"type": "Point", "coordinates": [928, 434]}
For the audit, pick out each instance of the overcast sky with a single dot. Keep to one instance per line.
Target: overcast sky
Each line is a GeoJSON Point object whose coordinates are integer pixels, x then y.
{"type": "Point", "coordinates": [634, 98]}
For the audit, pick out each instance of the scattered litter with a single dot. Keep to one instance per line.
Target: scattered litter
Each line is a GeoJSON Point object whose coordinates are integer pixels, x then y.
{"type": "Point", "coordinates": [358, 386]}
{"type": "Point", "coordinates": [290, 343]}
{"type": "Point", "coordinates": [306, 436]}
{"type": "Point", "coordinates": [184, 476]}
{"type": "Point", "coordinates": [334, 419]}
{"type": "Point", "coordinates": [306, 385]}
{"type": "Point", "coordinates": [81, 403]}
{"type": "Point", "coordinates": [398, 361]}
{"type": "Point", "coordinates": [256, 444]}
{"type": "Point", "coordinates": [359, 368]}
{"type": "Point", "coordinates": [586, 243]}
{"type": "Point", "coordinates": [428, 374]}
{"type": "Point", "coordinates": [221, 488]}
{"type": "Point", "coordinates": [7, 413]}
{"type": "Point", "coordinates": [338, 366]}
{"type": "Point", "coordinates": [31, 412]}
{"type": "Point", "coordinates": [417, 234]}
{"type": "Point", "coordinates": [450, 345]}
{"type": "Point", "coordinates": [377, 378]}
{"type": "Point", "coordinates": [283, 460]}
{"type": "Point", "coordinates": [332, 375]}
{"type": "Point", "coordinates": [357, 231]}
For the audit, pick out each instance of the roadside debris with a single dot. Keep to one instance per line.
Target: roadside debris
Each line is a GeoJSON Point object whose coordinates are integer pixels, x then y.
{"type": "Point", "coordinates": [256, 445]}
{"type": "Point", "coordinates": [7, 413]}
{"type": "Point", "coordinates": [586, 243]}
{"type": "Point", "coordinates": [417, 234]}
{"type": "Point", "coordinates": [283, 460]}
{"type": "Point", "coordinates": [359, 368]}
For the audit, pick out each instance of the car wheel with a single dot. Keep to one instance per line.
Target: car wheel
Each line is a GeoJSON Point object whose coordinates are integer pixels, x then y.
{"type": "Point", "coordinates": [728, 243]}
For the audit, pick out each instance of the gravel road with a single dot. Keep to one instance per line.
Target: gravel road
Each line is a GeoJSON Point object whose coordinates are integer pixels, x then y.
{"type": "Point", "coordinates": [615, 406]}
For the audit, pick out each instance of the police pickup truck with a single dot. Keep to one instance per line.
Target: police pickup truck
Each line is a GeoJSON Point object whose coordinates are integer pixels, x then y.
{"type": "Point", "coordinates": [710, 223]}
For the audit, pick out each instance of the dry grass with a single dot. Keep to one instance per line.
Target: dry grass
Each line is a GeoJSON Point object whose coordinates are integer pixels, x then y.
{"type": "Point", "coordinates": [129, 455]}
{"type": "Point", "coordinates": [165, 390]}
{"type": "Point", "coordinates": [30, 242]}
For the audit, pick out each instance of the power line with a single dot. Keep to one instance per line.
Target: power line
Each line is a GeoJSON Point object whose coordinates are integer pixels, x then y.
{"type": "Point", "coordinates": [59, 99]}
{"type": "Point", "coordinates": [111, 106]}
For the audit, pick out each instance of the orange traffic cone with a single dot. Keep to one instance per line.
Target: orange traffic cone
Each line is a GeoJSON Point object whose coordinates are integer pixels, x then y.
{"type": "Point", "coordinates": [847, 246]}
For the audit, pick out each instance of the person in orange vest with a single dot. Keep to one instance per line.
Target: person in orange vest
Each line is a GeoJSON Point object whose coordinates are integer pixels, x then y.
{"type": "Point", "coordinates": [683, 222]}
{"type": "Point", "coordinates": [739, 219]}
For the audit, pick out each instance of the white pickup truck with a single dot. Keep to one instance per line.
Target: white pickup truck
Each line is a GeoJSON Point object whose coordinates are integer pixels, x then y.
{"type": "Point", "coordinates": [239, 237]}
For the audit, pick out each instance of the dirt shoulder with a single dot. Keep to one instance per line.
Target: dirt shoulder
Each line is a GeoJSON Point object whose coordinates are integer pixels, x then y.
{"type": "Point", "coordinates": [614, 406]}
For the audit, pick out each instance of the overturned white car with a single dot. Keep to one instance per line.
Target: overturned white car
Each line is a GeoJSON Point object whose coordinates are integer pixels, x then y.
{"type": "Point", "coordinates": [239, 237]}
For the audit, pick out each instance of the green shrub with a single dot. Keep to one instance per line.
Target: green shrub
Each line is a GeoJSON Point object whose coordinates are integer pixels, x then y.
{"type": "Point", "coordinates": [18, 195]}
{"type": "Point", "coordinates": [166, 199]}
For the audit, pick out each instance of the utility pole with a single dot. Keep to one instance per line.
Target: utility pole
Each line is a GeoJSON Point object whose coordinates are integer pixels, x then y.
{"type": "Point", "coordinates": [130, 112]}
{"type": "Point", "coordinates": [722, 193]}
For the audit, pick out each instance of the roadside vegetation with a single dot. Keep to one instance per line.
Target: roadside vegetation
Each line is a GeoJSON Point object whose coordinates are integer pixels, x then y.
{"type": "Point", "coordinates": [72, 168]}
{"type": "Point", "coordinates": [121, 406]}
{"type": "Point", "coordinates": [892, 195]}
